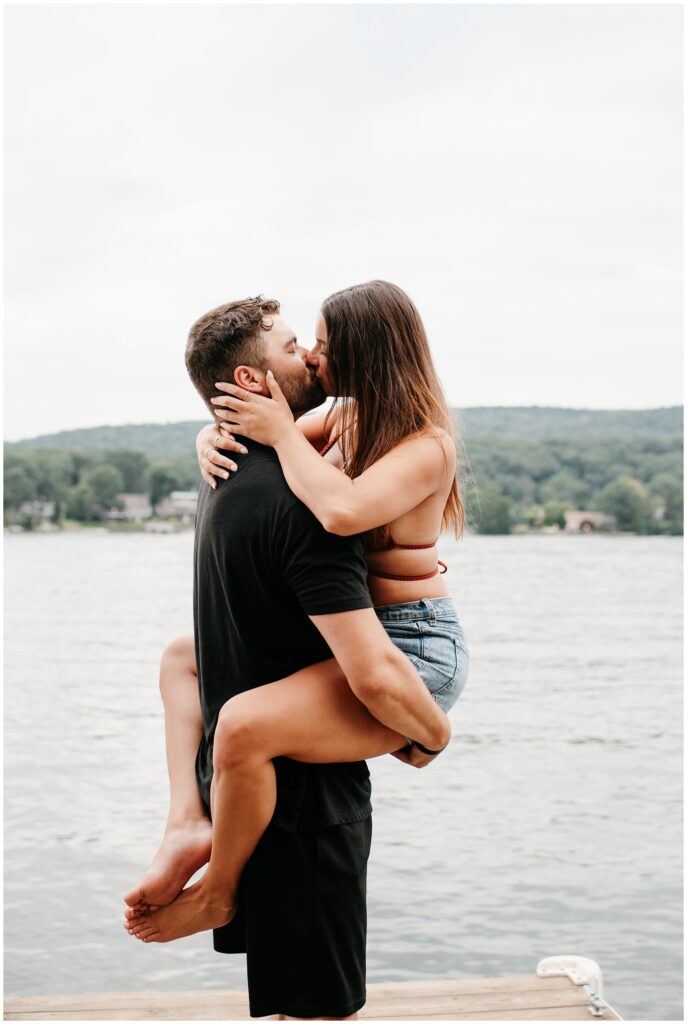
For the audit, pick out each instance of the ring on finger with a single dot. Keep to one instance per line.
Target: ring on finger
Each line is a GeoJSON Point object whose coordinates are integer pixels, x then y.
{"type": "Point", "coordinates": [217, 440]}
{"type": "Point", "coordinates": [207, 452]}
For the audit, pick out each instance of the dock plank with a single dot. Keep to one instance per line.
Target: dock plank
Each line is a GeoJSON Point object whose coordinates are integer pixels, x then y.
{"type": "Point", "coordinates": [515, 998]}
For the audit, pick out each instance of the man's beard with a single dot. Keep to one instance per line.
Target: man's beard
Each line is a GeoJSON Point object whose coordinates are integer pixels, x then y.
{"type": "Point", "coordinates": [303, 393]}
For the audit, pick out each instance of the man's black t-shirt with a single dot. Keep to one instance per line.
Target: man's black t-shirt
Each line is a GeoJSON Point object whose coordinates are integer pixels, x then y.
{"type": "Point", "coordinates": [263, 564]}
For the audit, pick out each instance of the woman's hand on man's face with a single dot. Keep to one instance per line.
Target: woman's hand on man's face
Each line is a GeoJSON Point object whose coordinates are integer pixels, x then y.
{"type": "Point", "coordinates": [212, 463]}
{"type": "Point", "coordinates": [255, 416]}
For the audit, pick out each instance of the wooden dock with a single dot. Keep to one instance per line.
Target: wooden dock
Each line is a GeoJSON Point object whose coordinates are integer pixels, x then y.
{"type": "Point", "coordinates": [517, 998]}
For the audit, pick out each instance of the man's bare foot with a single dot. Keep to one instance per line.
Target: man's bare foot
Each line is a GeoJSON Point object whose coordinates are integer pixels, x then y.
{"type": "Point", "coordinates": [184, 849]}
{"type": "Point", "coordinates": [196, 909]}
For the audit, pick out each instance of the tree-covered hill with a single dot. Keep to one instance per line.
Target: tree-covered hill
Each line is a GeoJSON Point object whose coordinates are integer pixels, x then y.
{"type": "Point", "coordinates": [527, 423]}
{"type": "Point", "coordinates": [150, 438]}
{"type": "Point", "coordinates": [519, 467]}
{"type": "Point", "coordinates": [541, 423]}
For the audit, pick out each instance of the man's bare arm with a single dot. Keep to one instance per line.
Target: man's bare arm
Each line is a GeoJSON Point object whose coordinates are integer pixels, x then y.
{"type": "Point", "coordinates": [382, 677]}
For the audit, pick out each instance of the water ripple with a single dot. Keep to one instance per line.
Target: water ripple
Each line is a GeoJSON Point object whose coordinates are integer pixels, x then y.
{"type": "Point", "coordinates": [552, 823]}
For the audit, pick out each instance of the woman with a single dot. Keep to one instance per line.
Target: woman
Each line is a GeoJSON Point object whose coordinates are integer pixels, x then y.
{"type": "Point", "coordinates": [390, 433]}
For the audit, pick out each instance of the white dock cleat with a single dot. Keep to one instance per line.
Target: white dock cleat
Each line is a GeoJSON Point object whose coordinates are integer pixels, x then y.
{"type": "Point", "coordinates": [581, 971]}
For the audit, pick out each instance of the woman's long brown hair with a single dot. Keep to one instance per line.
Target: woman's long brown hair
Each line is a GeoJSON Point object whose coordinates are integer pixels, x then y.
{"type": "Point", "coordinates": [379, 360]}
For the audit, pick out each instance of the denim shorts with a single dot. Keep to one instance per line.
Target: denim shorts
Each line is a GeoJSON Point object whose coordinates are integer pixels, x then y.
{"type": "Point", "coordinates": [429, 633]}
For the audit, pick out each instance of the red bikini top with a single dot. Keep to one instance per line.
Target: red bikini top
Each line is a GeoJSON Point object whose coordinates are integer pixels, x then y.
{"type": "Point", "coordinates": [374, 541]}
{"type": "Point", "coordinates": [329, 444]}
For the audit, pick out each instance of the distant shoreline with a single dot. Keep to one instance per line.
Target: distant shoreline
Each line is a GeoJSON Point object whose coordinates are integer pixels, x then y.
{"type": "Point", "coordinates": [522, 469]}
{"type": "Point", "coordinates": [163, 529]}
{"type": "Point", "coordinates": [524, 421]}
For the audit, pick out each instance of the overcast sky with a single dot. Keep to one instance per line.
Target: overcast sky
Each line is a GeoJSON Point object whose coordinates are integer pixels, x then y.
{"type": "Point", "coordinates": [516, 169]}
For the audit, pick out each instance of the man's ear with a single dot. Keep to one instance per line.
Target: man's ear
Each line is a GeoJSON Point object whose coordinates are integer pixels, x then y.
{"type": "Point", "coordinates": [249, 378]}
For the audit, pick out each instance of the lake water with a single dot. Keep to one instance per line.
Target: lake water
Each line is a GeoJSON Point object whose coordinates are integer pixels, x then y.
{"type": "Point", "coordinates": [551, 825]}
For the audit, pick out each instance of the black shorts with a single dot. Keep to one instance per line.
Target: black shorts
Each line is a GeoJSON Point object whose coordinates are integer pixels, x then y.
{"type": "Point", "coordinates": [302, 922]}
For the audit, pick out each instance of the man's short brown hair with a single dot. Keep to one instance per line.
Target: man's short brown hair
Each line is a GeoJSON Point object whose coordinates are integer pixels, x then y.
{"type": "Point", "coordinates": [227, 337]}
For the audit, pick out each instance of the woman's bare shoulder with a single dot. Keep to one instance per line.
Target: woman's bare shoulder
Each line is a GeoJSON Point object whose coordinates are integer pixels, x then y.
{"type": "Point", "coordinates": [448, 443]}
{"type": "Point", "coordinates": [445, 445]}
{"type": "Point", "coordinates": [433, 437]}
{"type": "Point", "coordinates": [428, 455]}
{"type": "Point", "coordinates": [446, 438]}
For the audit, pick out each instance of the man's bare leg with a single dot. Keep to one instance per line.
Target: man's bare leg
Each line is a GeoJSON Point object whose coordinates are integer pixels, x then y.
{"type": "Point", "coordinates": [187, 839]}
{"type": "Point", "coordinates": [312, 716]}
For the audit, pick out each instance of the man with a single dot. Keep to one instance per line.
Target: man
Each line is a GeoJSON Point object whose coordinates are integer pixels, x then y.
{"type": "Point", "coordinates": [274, 593]}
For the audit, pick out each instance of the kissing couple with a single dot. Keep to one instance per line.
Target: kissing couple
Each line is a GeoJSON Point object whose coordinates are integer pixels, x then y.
{"type": "Point", "coordinates": [324, 634]}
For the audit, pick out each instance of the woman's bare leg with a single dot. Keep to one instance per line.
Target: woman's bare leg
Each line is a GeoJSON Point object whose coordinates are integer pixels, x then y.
{"type": "Point", "coordinates": [312, 716]}
{"type": "Point", "coordinates": [187, 838]}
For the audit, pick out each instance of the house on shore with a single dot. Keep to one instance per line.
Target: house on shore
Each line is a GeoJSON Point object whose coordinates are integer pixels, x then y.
{"type": "Point", "coordinates": [39, 511]}
{"type": "Point", "coordinates": [135, 508]}
{"type": "Point", "coordinates": [178, 505]}
{"type": "Point", "coordinates": [588, 522]}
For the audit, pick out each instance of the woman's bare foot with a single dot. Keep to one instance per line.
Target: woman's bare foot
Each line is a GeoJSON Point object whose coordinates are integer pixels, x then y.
{"type": "Point", "coordinates": [196, 909]}
{"type": "Point", "coordinates": [184, 849]}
